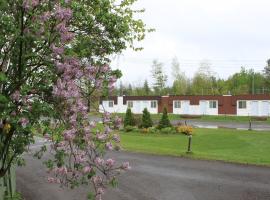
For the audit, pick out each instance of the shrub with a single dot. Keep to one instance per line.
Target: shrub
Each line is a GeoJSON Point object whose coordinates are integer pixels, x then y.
{"type": "Point", "coordinates": [137, 120]}
{"type": "Point", "coordinates": [129, 128]}
{"type": "Point", "coordinates": [167, 130]}
{"type": "Point", "coordinates": [164, 121]}
{"type": "Point", "coordinates": [187, 130]}
{"type": "Point", "coordinates": [146, 119]}
{"type": "Point", "coordinates": [153, 130]}
{"type": "Point", "coordinates": [145, 130]}
{"type": "Point", "coordinates": [129, 118]}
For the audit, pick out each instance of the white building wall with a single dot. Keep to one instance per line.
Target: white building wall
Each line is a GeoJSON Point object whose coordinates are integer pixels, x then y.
{"type": "Point", "coordinates": [254, 108]}
{"type": "Point", "coordinates": [202, 109]}
{"type": "Point", "coordinates": [184, 110]}
{"type": "Point", "coordinates": [211, 111]}
{"type": "Point", "coordinates": [137, 108]}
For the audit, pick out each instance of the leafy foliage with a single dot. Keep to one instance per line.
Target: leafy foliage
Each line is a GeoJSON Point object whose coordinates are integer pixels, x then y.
{"type": "Point", "coordinates": [160, 78]}
{"type": "Point", "coordinates": [204, 82]}
{"type": "Point", "coordinates": [54, 59]}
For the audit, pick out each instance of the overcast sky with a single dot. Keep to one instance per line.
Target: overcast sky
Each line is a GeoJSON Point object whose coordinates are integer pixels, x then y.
{"type": "Point", "coordinates": [227, 33]}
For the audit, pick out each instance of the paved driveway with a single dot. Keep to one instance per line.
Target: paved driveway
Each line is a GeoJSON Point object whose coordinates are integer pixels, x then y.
{"type": "Point", "coordinates": [258, 126]}
{"type": "Point", "coordinates": [160, 178]}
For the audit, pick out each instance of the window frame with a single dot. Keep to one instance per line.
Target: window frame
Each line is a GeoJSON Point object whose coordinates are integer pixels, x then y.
{"type": "Point", "coordinates": [240, 102]}
{"type": "Point", "coordinates": [212, 103]}
{"type": "Point", "coordinates": [130, 104]}
{"type": "Point", "coordinates": [110, 104]}
{"type": "Point", "coordinates": [153, 103]}
{"type": "Point", "coordinates": [177, 104]}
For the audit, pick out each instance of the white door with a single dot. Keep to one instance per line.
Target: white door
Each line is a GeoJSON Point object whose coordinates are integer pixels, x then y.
{"type": "Point", "coordinates": [254, 108]}
{"type": "Point", "coordinates": [265, 108]}
{"type": "Point", "coordinates": [185, 107]}
{"type": "Point", "coordinates": [203, 107]}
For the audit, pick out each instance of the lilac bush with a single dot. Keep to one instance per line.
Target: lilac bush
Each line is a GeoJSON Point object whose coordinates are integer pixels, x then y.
{"type": "Point", "coordinates": [54, 59]}
{"type": "Point", "coordinates": [79, 148]}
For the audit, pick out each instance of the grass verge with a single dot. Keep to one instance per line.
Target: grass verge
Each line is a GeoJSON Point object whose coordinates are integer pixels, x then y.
{"type": "Point", "coordinates": [249, 147]}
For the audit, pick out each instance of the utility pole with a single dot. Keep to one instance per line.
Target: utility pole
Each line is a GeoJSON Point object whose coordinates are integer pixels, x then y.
{"type": "Point", "coordinates": [253, 86]}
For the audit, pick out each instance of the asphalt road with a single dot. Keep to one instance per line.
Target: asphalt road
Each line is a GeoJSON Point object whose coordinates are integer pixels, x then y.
{"type": "Point", "coordinates": [258, 126]}
{"type": "Point", "coordinates": [159, 178]}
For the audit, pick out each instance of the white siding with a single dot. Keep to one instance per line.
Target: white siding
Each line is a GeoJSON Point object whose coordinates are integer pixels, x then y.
{"type": "Point", "coordinates": [184, 110]}
{"type": "Point", "coordinates": [137, 108]}
{"type": "Point", "coordinates": [202, 109]}
{"type": "Point", "coordinates": [212, 111]}
{"type": "Point", "coordinates": [254, 108]}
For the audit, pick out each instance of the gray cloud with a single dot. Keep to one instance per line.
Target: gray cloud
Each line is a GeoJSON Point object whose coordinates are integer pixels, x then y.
{"type": "Point", "coordinates": [229, 33]}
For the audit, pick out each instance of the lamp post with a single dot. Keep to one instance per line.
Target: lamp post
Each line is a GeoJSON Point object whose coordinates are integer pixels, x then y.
{"type": "Point", "coordinates": [189, 143]}
{"type": "Point", "coordinates": [250, 127]}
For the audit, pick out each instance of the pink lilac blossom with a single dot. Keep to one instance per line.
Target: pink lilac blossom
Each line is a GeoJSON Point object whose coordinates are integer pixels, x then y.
{"type": "Point", "coordinates": [109, 146]}
{"type": "Point", "coordinates": [87, 169]}
{"type": "Point", "coordinates": [57, 50]}
{"type": "Point", "coordinates": [102, 137]}
{"type": "Point", "coordinates": [110, 162]}
{"type": "Point", "coordinates": [60, 170]}
{"type": "Point", "coordinates": [24, 121]}
{"type": "Point", "coordinates": [69, 135]}
{"type": "Point", "coordinates": [99, 161]}
{"type": "Point", "coordinates": [116, 138]}
{"type": "Point", "coordinates": [80, 139]}
{"type": "Point", "coordinates": [45, 17]}
{"type": "Point", "coordinates": [16, 95]}
{"type": "Point", "coordinates": [63, 13]}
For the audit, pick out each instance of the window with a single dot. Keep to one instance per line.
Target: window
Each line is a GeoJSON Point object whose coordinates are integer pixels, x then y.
{"type": "Point", "coordinates": [153, 104]}
{"type": "Point", "coordinates": [242, 104]}
{"type": "Point", "coordinates": [111, 104]}
{"type": "Point", "coordinates": [177, 104]}
{"type": "Point", "coordinates": [130, 104]}
{"type": "Point", "coordinates": [212, 104]}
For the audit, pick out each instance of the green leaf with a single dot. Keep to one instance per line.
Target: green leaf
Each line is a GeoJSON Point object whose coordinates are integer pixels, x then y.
{"type": "Point", "coordinates": [3, 77]}
{"type": "Point", "coordinates": [3, 99]}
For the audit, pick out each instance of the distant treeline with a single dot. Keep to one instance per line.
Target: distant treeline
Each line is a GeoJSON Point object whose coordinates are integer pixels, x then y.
{"type": "Point", "coordinates": [204, 82]}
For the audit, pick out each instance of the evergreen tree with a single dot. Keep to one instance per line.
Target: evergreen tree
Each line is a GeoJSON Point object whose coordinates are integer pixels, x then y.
{"type": "Point", "coordinates": [146, 88]}
{"type": "Point", "coordinates": [130, 90]}
{"type": "Point", "coordinates": [146, 119]}
{"type": "Point", "coordinates": [129, 118]}
{"type": "Point", "coordinates": [164, 121]}
{"type": "Point", "coordinates": [267, 74]}
{"type": "Point", "coordinates": [121, 89]}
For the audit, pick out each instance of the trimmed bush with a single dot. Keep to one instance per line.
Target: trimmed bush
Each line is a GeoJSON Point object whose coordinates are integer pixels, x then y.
{"type": "Point", "coordinates": [187, 130]}
{"type": "Point", "coordinates": [129, 128]}
{"type": "Point", "coordinates": [129, 118]}
{"type": "Point", "coordinates": [145, 130]}
{"type": "Point", "coordinates": [146, 119]}
{"type": "Point", "coordinates": [164, 121]}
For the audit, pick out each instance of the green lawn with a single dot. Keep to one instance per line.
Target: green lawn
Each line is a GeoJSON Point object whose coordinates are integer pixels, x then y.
{"type": "Point", "coordinates": [223, 144]}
